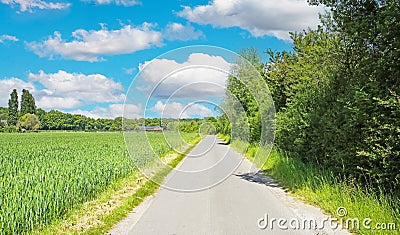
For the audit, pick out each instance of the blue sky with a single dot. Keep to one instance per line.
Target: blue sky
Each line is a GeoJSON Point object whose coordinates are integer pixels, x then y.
{"type": "Point", "coordinates": [82, 56]}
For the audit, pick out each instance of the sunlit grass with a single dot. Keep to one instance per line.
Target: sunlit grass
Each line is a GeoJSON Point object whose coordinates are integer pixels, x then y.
{"type": "Point", "coordinates": [325, 190]}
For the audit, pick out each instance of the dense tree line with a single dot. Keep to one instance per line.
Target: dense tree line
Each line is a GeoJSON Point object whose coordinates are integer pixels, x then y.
{"type": "Point", "coordinates": [56, 120]}
{"type": "Point", "coordinates": [31, 118]}
{"type": "Point", "coordinates": [246, 100]}
{"type": "Point", "coordinates": [337, 93]}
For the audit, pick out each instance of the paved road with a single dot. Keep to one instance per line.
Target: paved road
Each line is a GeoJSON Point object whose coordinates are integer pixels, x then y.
{"type": "Point", "coordinates": [241, 204]}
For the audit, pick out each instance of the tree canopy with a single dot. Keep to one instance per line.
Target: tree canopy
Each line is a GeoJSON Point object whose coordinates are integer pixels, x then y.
{"type": "Point", "coordinates": [30, 122]}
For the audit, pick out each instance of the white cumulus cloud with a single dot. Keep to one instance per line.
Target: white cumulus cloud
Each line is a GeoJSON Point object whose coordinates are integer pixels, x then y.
{"type": "Point", "coordinates": [176, 31]}
{"type": "Point", "coordinates": [112, 111]}
{"type": "Point", "coordinates": [56, 102]}
{"type": "Point", "coordinates": [91, 45]}
{"type": "Point", "coordinates": [5, 37]}
{"type": "Point", "coordinates": [129, 71]}
{"type": "Point", "coordinates": [125, 3]}
{"type": "Point", "coordinates": [259, 17]}
{"type": "Point", "coordinates": [70, 90]}
{"type": "Point", "coordinates": [179, 110]}
{"type": "Point", "coordinates": [29, 5]}
{"type": "Point", "coordinates": [200, 76]}
{"type": "Point", "coordinates": [7, 85]}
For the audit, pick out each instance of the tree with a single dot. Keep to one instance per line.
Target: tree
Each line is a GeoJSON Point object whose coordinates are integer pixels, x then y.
{"type": "Point", "coordinates": [3, 113]}
{"type": "Point", "coordinates": [41, 115]}
{"type": "Point", "coordinates": [248, 105]}
{"type": "Point", "coordinates": [117, 124]}
{"type": "Point", "coordinates": [30, 122]}
{"type": "Point", "coordinates": [369, 87]}
{"type": "Point", "coordinates": [27, 103]}
{"type": "Point", "coordinates": [13, 109]}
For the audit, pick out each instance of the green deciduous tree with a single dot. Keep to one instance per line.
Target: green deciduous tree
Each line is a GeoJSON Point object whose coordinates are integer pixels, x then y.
{"type": "Point", "coordinates": [243, 96]}
{"type": "Point", "coordinates": [3, 113]}
{"type": "Point", "coordinates": [30, 122]}
{"type": "Point", "coordinates": [339, 93]}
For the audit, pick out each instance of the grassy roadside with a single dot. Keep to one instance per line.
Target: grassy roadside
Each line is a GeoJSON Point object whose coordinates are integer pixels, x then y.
{"type": "Point", "coordinates": [100, 215]}
{"type": "Point", "coordinates": [319, 187]}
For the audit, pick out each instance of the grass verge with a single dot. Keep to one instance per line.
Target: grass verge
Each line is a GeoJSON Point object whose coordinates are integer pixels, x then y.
{"type": "Point", "coordinates": [100, 215]}
{"type": "Point", "coordinates": [366, 212]}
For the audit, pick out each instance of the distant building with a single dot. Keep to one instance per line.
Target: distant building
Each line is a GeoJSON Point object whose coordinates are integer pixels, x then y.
{"type": "Point", "coordinates": [151, 128]}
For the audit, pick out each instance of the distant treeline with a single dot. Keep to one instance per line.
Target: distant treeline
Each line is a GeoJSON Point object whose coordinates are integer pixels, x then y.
{"type": "Point", "coordinates": [56, 120]}
{"type": "Point", "coordinates": [31, 118]}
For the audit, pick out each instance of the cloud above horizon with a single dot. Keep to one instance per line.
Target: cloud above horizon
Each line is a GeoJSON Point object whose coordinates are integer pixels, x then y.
{"type": "Point", "coordinates": [7, 85]}
{"type": "Point", "coordinates": [112, 111]}
{"type": "Point", "coordinates": [63, 90]}
{"type": "Point", "coordinates": [200, 76]}
{"type": "Point", "coordinates": [261, 18]}
{"type": "Point", "coordinates": [91, 45]}
{"type": "Point", "coordinates": [177, 31]}
{"type": "Point", "coordinates": [125, 3]}
{"type": "Point", "coordinates": [30, 5]}
{"type": "Point", "coordinates": [179, 110]}
{"type": "Point", "coordinates": [5, 37]}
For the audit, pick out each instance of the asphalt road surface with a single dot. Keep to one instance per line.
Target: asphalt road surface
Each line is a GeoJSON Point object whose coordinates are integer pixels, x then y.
{"type": "Point", "coordinates": [216, 191]}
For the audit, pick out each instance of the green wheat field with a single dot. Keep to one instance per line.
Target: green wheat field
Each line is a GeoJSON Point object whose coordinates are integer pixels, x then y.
{"type": "Point", "coordinates": [44, 175]}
